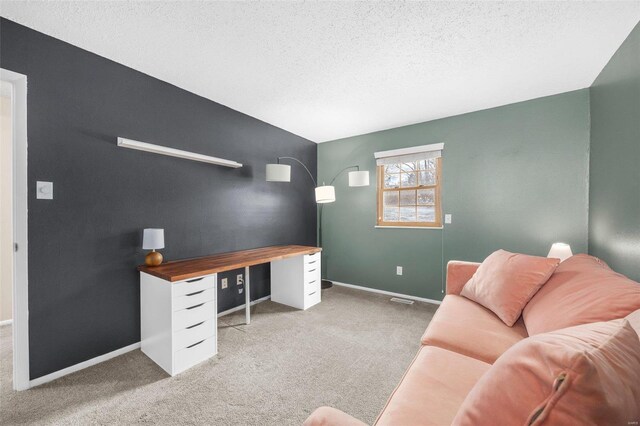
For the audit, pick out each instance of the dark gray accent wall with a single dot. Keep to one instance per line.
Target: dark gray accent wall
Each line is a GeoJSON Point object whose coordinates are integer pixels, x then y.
{"type": "Point", "coordinates": [614, 195]}
{"type": "Point", "coordinates": [84, 244]}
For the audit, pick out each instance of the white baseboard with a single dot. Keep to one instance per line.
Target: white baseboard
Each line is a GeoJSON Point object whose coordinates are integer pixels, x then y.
{"type": "Point", "coordinates": [387, 293]}
{"type": "Point", "coordinates": [238, 308]}
{"type": "Point", "coordinates": [6, 322]}
{"type": "Point", "coordinates": [88, 363]}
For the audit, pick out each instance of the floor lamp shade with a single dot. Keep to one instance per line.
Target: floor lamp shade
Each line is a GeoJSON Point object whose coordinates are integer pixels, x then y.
{"type": "Point", "coordinates": [278, 173]}
{"type": "Point", "coordinates": [359, 178]}
{"type": "Point", "coordinates": [560, 251]}
{"type": "Point", "coordinates": [153, 239]}
{"type": "Point", "coordinates": [325, 194]}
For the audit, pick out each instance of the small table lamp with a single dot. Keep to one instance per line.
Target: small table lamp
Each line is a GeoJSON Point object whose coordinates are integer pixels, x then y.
{"type": "Point", "coordinates": [560, 251]}
{"type": "Point", "coordinates": [153, 239]}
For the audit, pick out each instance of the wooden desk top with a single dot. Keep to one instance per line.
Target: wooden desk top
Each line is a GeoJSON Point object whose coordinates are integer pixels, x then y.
{"type": "Point", "coordinates": [179, 270]}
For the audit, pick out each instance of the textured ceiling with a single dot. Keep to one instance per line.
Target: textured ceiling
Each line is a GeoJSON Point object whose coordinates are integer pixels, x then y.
{"type": "Point", "coordinates": [335, 69]}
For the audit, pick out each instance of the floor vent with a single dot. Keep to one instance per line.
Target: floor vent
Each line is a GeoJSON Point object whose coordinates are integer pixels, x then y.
{"type": "Point", "coordinates": [405, 301]}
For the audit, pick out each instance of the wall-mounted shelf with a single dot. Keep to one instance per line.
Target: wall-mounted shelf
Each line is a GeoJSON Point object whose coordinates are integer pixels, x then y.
{"type": "Point", "coordinates": [172, 152]}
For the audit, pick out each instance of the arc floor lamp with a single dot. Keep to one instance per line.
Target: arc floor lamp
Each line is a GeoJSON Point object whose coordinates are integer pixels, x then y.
{"type": "Point", "coordinates": [324, 194]}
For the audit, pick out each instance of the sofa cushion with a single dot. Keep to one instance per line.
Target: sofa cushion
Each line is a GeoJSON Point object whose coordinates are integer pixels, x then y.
{"type": "Point", "coordinates": [463, 326]}
{"type": "Point", "coordinates": [432, 389]}
{"type": "Point", "coordinates": [505, 282]}
{"type": "Point", "coordinates": [582, 290]}
{"type": "Point", "coordinates": [588, 374]}
{"type": "Point", "coordinates": [328, 416]}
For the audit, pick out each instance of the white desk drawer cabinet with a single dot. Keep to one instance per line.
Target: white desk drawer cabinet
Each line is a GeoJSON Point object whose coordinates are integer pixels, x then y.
{"type": "Point", "coordinates": [178, 321]}
{"type": "Point", "coordinates": [296, 281]}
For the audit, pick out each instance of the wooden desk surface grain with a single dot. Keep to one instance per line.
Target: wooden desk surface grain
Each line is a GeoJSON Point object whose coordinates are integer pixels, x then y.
{"type": "Point", "coordinates": [179, 270]}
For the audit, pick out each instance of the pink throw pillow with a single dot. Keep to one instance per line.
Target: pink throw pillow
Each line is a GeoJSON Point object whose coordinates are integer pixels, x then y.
{"type": "Point", "coordinates": [588, 374]}
{"type": "Point", "coordinates": [505, 282]}
{"type": "Point", "coordinates": [582, 290]}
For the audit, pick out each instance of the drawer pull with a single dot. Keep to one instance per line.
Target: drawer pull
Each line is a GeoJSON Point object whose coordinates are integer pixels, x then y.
{"type": "Point", "coordinates": [312, 262]}
{"type": "Point", "coordinates": [196, 306]}
{"type": "Point", "coordinates": [311, 294]}
{"type": "Point", "coordinates": [195, 344]}
{"type": "Point", "coordinates": [311, 270]}
{"type": "Point", "coordinates": [195, 280]}
{"type": "Point", "coordinates": [311, 282]}
{"type": "Point", "coordinates": [193, 294]}
{"type": "Point", "coordinates": [195, 325]}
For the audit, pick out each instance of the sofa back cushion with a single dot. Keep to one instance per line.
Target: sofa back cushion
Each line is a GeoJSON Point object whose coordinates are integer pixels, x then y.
{"type": "Point", "coordinates": [505, 282]}
{"type": "Point", "coordinates": [588, 374]}
{"type": "Point", "coordinates": [583, 289]}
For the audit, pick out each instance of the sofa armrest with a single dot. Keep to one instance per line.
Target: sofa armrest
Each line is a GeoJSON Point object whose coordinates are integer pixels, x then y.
{"type": "Point", "coordinates": [458, 273]}
{"type": "Point", "coordinates": [327, 416]}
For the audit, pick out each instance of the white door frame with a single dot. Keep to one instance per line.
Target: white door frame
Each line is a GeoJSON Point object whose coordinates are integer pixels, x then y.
{"type": "Point", "coordinates": [18, 84]}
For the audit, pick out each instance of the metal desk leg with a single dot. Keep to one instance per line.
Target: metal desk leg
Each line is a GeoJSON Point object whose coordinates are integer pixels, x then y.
{"type": "Point", "coordinates": [247, 296]}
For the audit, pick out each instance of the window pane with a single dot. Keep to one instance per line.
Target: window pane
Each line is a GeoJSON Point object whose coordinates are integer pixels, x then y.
{"type": "Point", "coordinates": [391, 181]}
{"type": "Point", "coordinates": [390, 214]}
{"type": "Point", "coordinates": [408, 198]}
{"type": "Point", "coordinates": [409, 167]}
{"type": "Point", "coordinates": [426, 214]}
{"type": "Point", "coordinates": [391, 198]}
{"type": "Point", "coordinates": [426, 196]}
{"type": "Point", "coordinates": [408, 179]}
{"type": "Point", "coordinates": [407, 214]}
{"type": "Point", "coordinates": [428, 177]}
{"type": "Point", "coordinates": [392, 168]}
{"type": "Point", "coordinates": [431, 164]}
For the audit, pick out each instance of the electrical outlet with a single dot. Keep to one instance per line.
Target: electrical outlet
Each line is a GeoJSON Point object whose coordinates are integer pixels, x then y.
{"type": "Point", "coordinates": [398, 270]}
{"type": "Point", "coordinates": [225, 283]}
{"type": "Point", "coordinates": [239, 279]}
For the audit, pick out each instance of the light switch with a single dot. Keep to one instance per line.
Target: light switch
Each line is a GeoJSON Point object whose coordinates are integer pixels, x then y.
{"type": "Point", "coordinates": [44, 190]}
{"type": "Point", "coordinates": [398, 270]}
{"type": "Point", "coordinates": [447, 218]}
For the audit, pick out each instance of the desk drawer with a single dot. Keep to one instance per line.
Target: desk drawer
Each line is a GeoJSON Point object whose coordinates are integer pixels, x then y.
{"type": "Point", "coordinates": [194, 354]}
{"type": "Point", "coordinates": [194, 334]}
{"type": "Point", "coordinates": [193, 315]}
{"type": "Point", "coordinates": [310, 259]}
{"type": "Point", "coordinates": [311, 298]}
{"type": "Point", "coordinates": [312, 275]}
{"type": "Point", "coordinates": [192, 299]}
{"type": "Point", "coordinates": [312, 283]}
{"type": "Point", "coordinates": [193, 285]}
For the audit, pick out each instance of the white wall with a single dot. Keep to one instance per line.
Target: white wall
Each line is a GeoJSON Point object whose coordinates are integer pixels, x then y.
{"type": "Point", "coordinates": [6, 212]}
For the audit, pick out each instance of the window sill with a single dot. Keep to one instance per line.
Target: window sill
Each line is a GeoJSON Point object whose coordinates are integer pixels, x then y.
{"type": "Point", "coordinates": [408, 227]}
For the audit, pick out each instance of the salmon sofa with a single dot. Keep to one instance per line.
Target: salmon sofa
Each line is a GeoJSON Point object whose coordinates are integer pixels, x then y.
{"type": "Point", "coordinates": [462, 342]}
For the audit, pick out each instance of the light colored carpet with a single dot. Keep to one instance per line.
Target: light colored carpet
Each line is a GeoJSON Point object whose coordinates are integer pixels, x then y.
{"type": "Point", "coordinates": [348, 352]}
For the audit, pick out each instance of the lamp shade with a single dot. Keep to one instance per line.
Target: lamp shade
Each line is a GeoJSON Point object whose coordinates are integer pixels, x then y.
{"type": "Point", "coordinates": [359, 178]}
{"type": "Point", "coordinates": [278, 173]}
{"type": "Point", "coordinates": [153, 238]}
{"type": "Point", "coordinates": [325, 194]}
{"type": "Point", "coordinates": [560, 251]}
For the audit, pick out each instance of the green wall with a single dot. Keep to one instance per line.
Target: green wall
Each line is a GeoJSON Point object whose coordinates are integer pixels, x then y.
{"type": "Point", "coordinates": [514, 177]}
{"type": "Point", "coordinates": [614, 206]}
